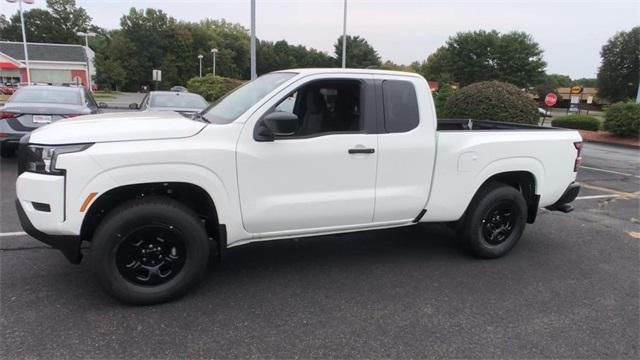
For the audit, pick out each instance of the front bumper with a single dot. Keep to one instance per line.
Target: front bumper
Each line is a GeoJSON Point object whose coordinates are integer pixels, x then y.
{"type": "Point", "coordinates": [69, 245]}
{"type": "Point", "coordinates": [563, 203]}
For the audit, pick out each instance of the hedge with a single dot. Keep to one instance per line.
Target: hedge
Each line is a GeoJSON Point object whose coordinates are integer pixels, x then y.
{"type": "Point", "coordinates": [492, 100]}
{"type": "Point", "coordinates": [212, 88]}
{"type": "Point", "coordinates": [575, 121]}
{"type": "Point", "coordinates": [623, 119]}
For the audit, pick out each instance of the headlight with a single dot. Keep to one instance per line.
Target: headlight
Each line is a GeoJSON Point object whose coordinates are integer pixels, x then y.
{"type": "Point", "coordinates": [42, 158]}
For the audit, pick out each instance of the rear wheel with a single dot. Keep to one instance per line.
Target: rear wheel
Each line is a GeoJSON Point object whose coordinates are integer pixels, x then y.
{"type": "Point", "coordinates": [494, 221]}
{"type": "Point", "coordinates": [149, 251]}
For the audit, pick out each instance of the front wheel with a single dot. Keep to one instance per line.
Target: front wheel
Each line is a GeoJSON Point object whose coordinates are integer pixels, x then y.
{"type": "Point", "coordinates": [149, 251]}
{"type": "Point", "coordinates": [494, 221]}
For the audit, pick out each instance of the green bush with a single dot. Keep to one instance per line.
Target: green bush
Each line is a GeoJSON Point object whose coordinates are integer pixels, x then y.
{"type": "Point", "coordinates": [575, 121]}
{"type": "Point", "coordinates": [440, 97]}
{"type": "Point", "coordinates": [212, 88]}
{"type": "Point", "coordinates": [492, 100]}
{"type": "Point", "coordinates": [623, 119]}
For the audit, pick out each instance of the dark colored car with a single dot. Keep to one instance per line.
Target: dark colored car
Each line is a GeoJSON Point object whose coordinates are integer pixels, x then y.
{"type": "Point", "coordinates": [31, 107]}
{"type": "Point", "coordinates": [183, 102]}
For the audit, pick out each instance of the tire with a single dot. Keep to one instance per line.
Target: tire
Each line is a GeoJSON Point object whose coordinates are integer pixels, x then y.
{"type": "Point", "coordinates": [7, 151]}
{"type": "Point", "coordinates": [149, 251]}
{"type": "Point", "coordinates": [494, 221]}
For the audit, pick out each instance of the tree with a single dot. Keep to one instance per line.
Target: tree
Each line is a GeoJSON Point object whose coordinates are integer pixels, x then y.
{"type": "Point", "coordinates": [437, 66]}
{"type": "Point", "coordinates": [360, 54]}
{"type": "Point", "coordinates": [550, 83]}
{"type": "Point", "coordinates": [618, 74]}
{"type": "Point", "coordinates": [68, 19]}
{"type": "Point", "coordinates": [475, 56]}
{"type": "Point", "coordinates": [58, 24]}
{"type": "Point", "coordinates": [587, 82]}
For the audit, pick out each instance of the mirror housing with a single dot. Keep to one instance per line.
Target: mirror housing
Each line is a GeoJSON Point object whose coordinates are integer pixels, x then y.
{"type": "Point", "coordinates": [281, 123]}
{"type": "Point", "coordinates": [103, 105]}
{"type": "Point", "coordinates": [133, 106]}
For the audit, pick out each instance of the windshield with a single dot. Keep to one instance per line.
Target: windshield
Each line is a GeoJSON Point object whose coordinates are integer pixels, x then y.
{"type": "Point", "coordinates": [240, 100]}
{"type": "Point", "coordinates": [46, 95]}
{"type": "Point", "coordinates": [178, 100]}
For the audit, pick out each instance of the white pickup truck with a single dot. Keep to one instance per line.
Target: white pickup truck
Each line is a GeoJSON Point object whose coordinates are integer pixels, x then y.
{"type": "Point", "coordinates": [295, 153]}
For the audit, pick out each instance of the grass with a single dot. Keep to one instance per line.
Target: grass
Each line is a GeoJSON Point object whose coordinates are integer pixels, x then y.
{"type": "Point", "coordinates": [100, 94]}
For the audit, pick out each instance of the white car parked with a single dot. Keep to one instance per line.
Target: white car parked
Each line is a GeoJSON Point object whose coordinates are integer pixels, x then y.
{"type": "Point", "coordinates": [294, 153]}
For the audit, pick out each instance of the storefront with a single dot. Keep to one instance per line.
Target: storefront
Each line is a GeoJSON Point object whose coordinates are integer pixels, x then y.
{"type": "Point", "coordinates": [56, 64]}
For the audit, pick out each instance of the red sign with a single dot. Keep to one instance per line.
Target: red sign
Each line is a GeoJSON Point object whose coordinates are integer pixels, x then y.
{"type": "Point", "coordinates": [550, 99]}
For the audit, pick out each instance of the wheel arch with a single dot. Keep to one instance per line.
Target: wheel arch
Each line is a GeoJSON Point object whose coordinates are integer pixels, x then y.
{"type": "Point", "coordinates": [525, 182]}
{"type": "Point", "coordinates": [191, 195]}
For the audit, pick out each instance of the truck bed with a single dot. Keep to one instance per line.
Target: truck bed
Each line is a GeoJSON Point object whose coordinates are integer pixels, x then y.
{"type": "Point", "coordinates": [470, 124]}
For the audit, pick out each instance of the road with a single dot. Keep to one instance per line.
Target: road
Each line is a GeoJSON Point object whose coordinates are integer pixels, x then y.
{"type": "Point", "coordinates": [568, 290]}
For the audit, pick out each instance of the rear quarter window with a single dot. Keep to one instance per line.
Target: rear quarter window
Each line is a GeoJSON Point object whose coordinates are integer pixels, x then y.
{"type": "Point", "coordinates": [400, 106]}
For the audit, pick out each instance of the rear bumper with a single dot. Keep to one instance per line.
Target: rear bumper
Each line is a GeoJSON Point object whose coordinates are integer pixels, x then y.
{"type": "Point", "coordinates": [69, 245]}
{"type": "Point", "coordinates": [563, 203]}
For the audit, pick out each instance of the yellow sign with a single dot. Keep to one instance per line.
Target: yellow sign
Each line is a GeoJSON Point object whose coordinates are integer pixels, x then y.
{"type": "Point", "coordinates": [576, 89]}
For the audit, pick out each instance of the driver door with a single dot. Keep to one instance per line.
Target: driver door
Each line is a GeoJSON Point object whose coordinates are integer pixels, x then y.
{"type": "Point", "coordinates": [313, 179]}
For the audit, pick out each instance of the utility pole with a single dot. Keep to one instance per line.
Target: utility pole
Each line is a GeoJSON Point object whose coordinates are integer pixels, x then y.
{"type": "Point", "coordinates": [254, 73]}
{"type": "Point", "coordinates": [214, 52]}
{"type": "Point", "coordinates": [24, 36]}
{"type": "Point", "coordinates": [344, 37]}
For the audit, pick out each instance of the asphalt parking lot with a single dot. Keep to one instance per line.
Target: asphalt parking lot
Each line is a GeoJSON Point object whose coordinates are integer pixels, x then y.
{"type": "Point", "coordinates": [569, 289]}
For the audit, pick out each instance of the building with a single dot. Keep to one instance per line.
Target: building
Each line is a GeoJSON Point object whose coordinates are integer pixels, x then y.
{"type": "Point", "coordinates": [49, 63]}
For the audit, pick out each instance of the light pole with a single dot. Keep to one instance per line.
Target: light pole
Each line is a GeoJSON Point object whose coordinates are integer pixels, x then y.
{"type": "Point", "coordinates": [24, 36]}
{"type": "Point", "coordinates": [214, 51]}
{"type": "Point", "coordinates": [254, 74]}
{"type": "Point", "coordinates": [200, 59]}
{"type": "Point", "coordinates": [86, 45]}
{"type": "Point", "coordinates": [344, 36]}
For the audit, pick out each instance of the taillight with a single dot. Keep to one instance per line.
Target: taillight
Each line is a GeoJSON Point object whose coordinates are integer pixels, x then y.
{"type": "Point", "coordinates": [7, 115]}
{"type": "Point", "coordinates": [578, 146]}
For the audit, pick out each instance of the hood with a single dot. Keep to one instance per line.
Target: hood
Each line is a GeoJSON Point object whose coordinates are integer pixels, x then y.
{"type": "Point", "coordinates": [117, 127]}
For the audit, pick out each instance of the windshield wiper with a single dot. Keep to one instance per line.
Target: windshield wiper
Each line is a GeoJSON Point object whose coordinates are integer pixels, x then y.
{"type": "Point", "coordinates": [199, 117]}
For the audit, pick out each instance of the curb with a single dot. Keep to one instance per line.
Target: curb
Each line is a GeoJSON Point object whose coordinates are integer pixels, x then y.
{"type": "Point", "coordinates": [626, 146]}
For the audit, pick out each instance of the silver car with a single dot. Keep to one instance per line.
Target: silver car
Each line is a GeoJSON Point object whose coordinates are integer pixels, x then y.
{"type": "Point", "coordinates": [31, 107]}
{"type": "Point", "coordinates": [183, 102]}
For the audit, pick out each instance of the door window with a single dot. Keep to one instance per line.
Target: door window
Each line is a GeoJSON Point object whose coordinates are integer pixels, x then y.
{"type": "Point", "coordinates": [400, 106]}
{"type": "Point", "coordinates": [327, 106]}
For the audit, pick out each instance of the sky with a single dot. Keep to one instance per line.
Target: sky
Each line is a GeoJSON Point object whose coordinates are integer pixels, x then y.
{"type": "Point", "coordinates": [570, 32]}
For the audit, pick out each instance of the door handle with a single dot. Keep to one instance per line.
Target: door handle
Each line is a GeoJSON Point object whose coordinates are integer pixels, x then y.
{"type": "Point", "coordinates": [361, 151]}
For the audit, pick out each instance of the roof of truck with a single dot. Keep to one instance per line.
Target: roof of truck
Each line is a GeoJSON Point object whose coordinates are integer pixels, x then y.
{"type": "Point", "coordinates": [312, 71]}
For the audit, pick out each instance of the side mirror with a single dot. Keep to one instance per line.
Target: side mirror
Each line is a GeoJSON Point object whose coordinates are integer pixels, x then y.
{"type": "Point", "coordinates": [133, 106]}
{"type": "Point", "coordinates": [281, 123]}
{"type": "Point", "coordinates": [103, 105]}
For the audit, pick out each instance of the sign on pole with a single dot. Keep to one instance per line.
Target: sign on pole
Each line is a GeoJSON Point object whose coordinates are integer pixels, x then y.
{"type": "Point", "coordinates": [575, 101]}
{"type": "Point", "coordinates": [589, 99]}
{"type": "Point", "coordinates": [550, 99]}
{"type": "Point", "coordinates": [157, 75]}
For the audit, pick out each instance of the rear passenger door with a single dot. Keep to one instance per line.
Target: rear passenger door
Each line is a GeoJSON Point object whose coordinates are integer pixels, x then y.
{"type": "Point", "coordinates": [406, 146]}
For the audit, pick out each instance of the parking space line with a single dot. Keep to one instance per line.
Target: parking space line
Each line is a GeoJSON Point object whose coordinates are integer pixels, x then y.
{"type": "Point", "coordinates": [15, 233]}
{"type": "Point", "coordinates": [609, 171]}
{"type": "Point", "coordinates": [607, 190]}
{"type": "Point", "coordinates": [597, 197]}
